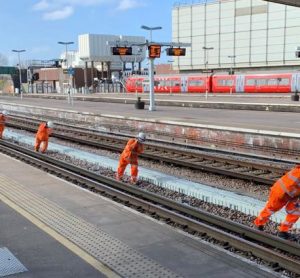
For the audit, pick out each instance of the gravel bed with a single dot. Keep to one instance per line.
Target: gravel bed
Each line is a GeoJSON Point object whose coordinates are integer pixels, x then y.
{"type": "Point", "coordinates": [259, 191]}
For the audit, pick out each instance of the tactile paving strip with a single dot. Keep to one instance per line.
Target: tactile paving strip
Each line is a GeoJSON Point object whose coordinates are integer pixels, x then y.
{"type": "Point", "coordinates": [9, 264]}
{"type": "Point", "coordinates": [124, 260]}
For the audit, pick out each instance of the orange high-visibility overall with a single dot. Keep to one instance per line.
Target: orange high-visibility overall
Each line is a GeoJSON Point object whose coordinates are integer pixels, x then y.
{"type": "Point", "coordinates": [284, 190]}
{"type": "Point", "coordinates": [42, 136]}
{"type": "Point", "coordinates": [2, 124]}
{"type": "Point", "coordinates": [130, 156]}
{"type": "Point", "coordinates": [293, 213]}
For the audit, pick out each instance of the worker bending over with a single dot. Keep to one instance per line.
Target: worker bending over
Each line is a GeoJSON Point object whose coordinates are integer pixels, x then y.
{"type": "Point", "coordinates": [133, 148]}
{"type": "Point", "coordinates": [42, 136]}
{"type": "Point", "coordinates": [284, 193]}
{"type": "Point", "coordinates": [3, 116]}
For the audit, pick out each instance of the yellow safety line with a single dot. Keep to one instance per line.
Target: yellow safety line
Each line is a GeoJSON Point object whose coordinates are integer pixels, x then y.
{"type": "Point", "coordinates": [67, 243]}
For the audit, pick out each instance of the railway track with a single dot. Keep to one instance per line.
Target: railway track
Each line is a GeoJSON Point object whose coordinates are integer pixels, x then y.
{"type": "Point", "coordinates": [261, 172]}
{"type": "Point", "coordinates": [280, 254]}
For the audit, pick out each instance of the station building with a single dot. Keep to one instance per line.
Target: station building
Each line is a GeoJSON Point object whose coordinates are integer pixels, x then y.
{"type": "Point", "coordinates": [93, 62]}
{"type": "Point", "coordinates": [249, 35]}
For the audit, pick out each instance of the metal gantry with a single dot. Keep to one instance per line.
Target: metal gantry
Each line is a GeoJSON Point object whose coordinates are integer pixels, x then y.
{"type": "Point", "coordinates": [148, 44]}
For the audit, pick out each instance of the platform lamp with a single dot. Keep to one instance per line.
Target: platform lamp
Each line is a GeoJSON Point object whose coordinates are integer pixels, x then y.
{"type": "Point", "coordinates": [206, 50]}
{"type": "Point", "coordinates": [151, 29]}
{"type": "Point", "coordinates": [171, 69]}
{"type": "Point", "coordinates": [295, 97]}
{"type": "Point", "coordinates": [67, 66]}
{"type": "Point", "coordinates": [20, 74]}
{"type": "Point", "coordinates": [232, 57]}
{"type": "Point", "coordinates": [66, 45]}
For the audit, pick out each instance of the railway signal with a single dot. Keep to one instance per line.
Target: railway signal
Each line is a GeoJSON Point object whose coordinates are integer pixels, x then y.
{"type": "Point", "coordinates": [154, 50]}
{"type": "Point", "coordinates": [175, 51]}
{"type": "Point", "coordinates": [124, 50]}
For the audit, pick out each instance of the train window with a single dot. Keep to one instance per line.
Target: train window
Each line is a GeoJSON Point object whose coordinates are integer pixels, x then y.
{"type": "Point", "coordinates": [221, 82]}
{"type": "Point", "coordinates": [272, 81]}
{"type": "Point", "coordinates": [261, 82]}
{"type": "Point", "coordinates": [138, 83]}
{"type": "Point", "coordinates": [195, 83]}
{"type": "Point", "coordinates": [168, 83]}
{"type": "Point", "coordinates": [160, 83]}
{"type": "Point", "coordinates": [157, 83]}
{"type": "Point", "coordinates": [225, 82]}
{"type": "Point", "coordinates": [229, 82]}
{"type": "Point", "coordinates": [284, 81]}
{"type": "Point", "coordinates": [177, 83]}
{"type": "Point", "coordinates": [251, 82]}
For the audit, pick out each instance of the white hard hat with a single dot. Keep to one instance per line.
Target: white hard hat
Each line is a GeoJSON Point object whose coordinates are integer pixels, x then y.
{"type": "Point", "coordinates": [141, 137]}
{"type": "Point", "coordinates": [50, 124]}
{"type": "Point", "coordinates": [4, 112]}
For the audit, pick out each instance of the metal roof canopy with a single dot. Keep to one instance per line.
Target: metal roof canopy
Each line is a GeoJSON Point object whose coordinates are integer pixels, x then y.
{"type": "Point", "coordinates": [295, 3]}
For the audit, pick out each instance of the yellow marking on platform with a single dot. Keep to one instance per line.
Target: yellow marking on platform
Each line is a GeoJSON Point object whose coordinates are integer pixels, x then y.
{"type": "Point", "coordinates": [65, 242]}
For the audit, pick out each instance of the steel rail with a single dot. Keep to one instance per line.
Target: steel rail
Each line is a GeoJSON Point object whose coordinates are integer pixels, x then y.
{"type": "Point", "coordinates": [252, 171]}
{"type": "Point", "coordinates": [236, 235]}
{"type": "Point", "coordinates": [182, 140]}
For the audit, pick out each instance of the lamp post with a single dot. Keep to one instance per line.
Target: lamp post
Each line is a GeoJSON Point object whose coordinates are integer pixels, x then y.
{"type": "Point", "coordinates": [45, 81]}
{"type": "Point", "coordinates": [151, 29]}
{"type": "Point", "coordinates": [171, 68]}
{"type": "Point", "coordinates": [232, 57]}
{"type": "Point", "coordinates": [20, 74]}
{"type": "Point", "coordinates": [206, 50]}
{"type": "Point", "coordinates": [151, 69]}
{"type": "Point", "coordinates": [66, 45]}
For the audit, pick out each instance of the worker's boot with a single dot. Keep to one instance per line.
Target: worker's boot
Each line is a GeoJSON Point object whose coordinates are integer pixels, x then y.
{"type": "Point", "coordinates": [118, 178]}
{"type": "Point", "coordinates": [260, 227]}
{"type": "Point", "coordinates": [133, 180]}
{"type": "Point", "coordinates": [285, 235]}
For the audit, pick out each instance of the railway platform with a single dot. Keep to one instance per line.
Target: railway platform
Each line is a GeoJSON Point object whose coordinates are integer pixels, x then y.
{"type": "Point", "coordinates": [256, 102]}
{"type": "Point", "coordinates": [52, 228]}
{"type": "Point", "coordinates": [229, 118]}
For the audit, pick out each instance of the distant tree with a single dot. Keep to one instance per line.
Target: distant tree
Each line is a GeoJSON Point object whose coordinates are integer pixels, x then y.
{"type": "Point", "coordinates": [3, 60]}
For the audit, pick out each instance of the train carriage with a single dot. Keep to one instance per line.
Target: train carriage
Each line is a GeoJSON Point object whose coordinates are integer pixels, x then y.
{"type": "Point", "coordinates": [134, 84]}
{"type": "Point", "coordinates": [219, 83]}
{"type": "Point", "coordinates": [198, 84]}
{"type": "Point", "coordinates": [169, 84]}
{"type": "Point", "coordinates": [224, 83]}
{"type": "Point", "coordinates": [268, 83]}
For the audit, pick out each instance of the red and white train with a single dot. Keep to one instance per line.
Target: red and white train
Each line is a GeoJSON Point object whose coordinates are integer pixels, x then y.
{"type": "Point", "coordinates": [241, 83]}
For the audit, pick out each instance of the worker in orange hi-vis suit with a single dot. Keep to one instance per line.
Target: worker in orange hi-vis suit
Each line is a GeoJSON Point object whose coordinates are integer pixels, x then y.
{"type": "Point", "coordinates": [3, 116]}
{"type": "Point", "coordinates": [133, 148]}
{"type": "Point", "coordinates": [293, 213]}
{"type": "Point", "coordinates": [284, 190]}
{"type": "Point", "coordinates": [42, 136]}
